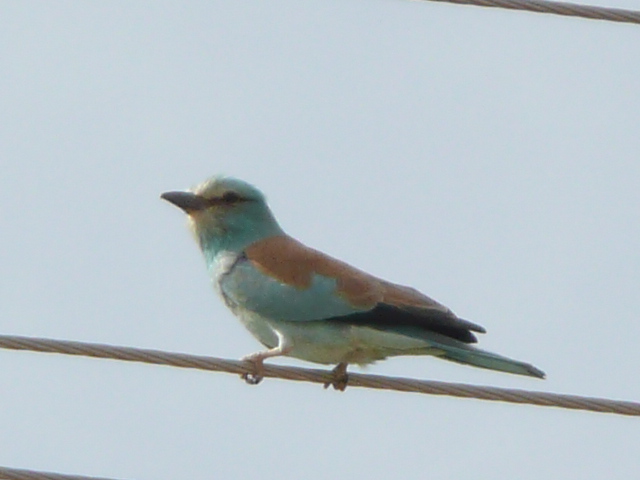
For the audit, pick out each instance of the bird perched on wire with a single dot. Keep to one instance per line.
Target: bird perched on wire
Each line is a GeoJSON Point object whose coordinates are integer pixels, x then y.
{"type": "Point", "coordinates": [301, 303]}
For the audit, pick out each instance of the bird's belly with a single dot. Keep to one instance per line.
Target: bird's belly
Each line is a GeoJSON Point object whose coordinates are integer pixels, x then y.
{"type": "Point", "coordinates": [328, 342]}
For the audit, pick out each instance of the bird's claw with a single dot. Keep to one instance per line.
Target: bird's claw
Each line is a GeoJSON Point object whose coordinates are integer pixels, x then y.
{"type": "Point", "coordinates": [251, 378]}
{"type": "Point", "coordinates": [339, 384]}
{"type": "Point", "coordinates": [340, 378]}
{"type": "Point", "coordinates": [255, 377]}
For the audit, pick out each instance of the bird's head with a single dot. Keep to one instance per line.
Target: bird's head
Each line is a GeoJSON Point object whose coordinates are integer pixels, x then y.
{"type": "Point", "coordinates": [226, 213]}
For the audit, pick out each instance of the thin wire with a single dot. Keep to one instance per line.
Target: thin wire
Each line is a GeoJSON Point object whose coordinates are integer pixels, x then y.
{"type": "Point", "coordinates": [321, 376]}
{"type": "Point", "coordinates": [557, 8]}
{"type": "Point", "coordinates": [17, 474]}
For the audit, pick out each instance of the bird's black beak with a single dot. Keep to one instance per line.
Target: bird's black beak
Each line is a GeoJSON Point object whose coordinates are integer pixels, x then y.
{"type": "Point", "coordinates": [187, 201]}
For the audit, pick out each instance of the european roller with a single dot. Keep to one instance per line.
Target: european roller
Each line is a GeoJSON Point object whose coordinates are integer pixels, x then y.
{"type": "Point", "coordinates": [302, 303]}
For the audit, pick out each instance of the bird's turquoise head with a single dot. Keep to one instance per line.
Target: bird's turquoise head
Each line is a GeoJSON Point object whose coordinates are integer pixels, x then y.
{"type": "Point", "coordinates": [225, 213]}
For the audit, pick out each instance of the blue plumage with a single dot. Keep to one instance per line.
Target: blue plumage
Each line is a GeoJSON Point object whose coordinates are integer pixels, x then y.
{"type": "Point", "coordinates": [302, 303]}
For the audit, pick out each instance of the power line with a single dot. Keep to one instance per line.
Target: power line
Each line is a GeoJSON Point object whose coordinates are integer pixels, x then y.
{"type": "Point", "coordinates": [18, 474]}
{"type": "Point", "coordinates": [321, 376]}
{"type": "Point", "coordinates": [556, 8]}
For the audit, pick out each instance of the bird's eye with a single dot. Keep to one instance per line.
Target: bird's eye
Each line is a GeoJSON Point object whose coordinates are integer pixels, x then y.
{"type": "Point", "coordinates": [231, 197]}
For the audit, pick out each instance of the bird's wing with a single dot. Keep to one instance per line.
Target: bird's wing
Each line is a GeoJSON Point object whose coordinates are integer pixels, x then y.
{"type": "Point", "coordinates": [284, 279]}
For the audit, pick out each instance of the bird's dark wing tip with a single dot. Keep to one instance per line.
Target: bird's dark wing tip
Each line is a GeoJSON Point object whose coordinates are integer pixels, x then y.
{"type": "Point", "coordinates": [385, 316]}
{"type": "Point", "coordinates": [472, 326]}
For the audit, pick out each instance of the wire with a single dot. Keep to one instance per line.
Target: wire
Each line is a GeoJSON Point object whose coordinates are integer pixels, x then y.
{"type": "Point", "coordinates": [17, 474]}
{"type": "Point", "coordinates": [321, 376]}
{"type": "Point", "coordinates": [557, 8]}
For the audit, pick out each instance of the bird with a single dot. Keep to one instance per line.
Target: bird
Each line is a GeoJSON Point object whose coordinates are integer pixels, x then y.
{"type": "Point", "coordinates": [302, 303]}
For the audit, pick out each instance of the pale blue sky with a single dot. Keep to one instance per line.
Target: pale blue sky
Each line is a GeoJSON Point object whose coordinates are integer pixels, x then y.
{"type": "Point", "coordinates": [488, 158]}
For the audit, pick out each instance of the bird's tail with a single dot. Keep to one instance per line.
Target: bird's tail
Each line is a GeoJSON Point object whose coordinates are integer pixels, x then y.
{"type": "Point", "coordinates": [483, 359]}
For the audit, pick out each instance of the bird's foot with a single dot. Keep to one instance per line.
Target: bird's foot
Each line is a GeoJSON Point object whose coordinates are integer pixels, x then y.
{"type": "Point", "coordinates": [340, 378]}
{"type": "Point", "coordinates": [256, 361]}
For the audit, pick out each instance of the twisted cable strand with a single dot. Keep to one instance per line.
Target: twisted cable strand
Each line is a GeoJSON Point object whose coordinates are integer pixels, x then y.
{"type": "Point", "coordinates": [18, 474]}
{"type": "Point", "coordinates": [556, 8]}
{"type": "Point", "coordinates": [182, 360]}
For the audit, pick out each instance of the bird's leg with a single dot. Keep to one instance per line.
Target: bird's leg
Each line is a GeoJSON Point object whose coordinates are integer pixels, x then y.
{"type": "Point", "coordinates": [340, 377]}
{"type": "Point", "coordinates": [257, 359]}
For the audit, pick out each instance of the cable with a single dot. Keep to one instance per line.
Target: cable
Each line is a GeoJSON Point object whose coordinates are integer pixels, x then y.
{"type": "Point", "coordinates": [557, 8]}
{"type": "Point", "coordinates": [321, 376]}
{"type": "Point", "coordinates": [17, 474]}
